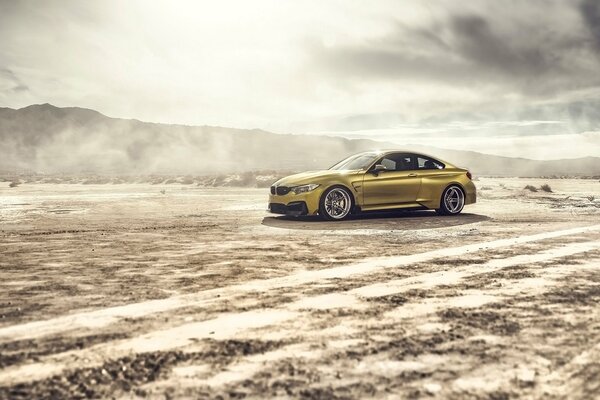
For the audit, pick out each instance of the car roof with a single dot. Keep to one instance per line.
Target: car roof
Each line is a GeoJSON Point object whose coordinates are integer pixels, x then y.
{"type": "Point", "coordinates": [418, 153]}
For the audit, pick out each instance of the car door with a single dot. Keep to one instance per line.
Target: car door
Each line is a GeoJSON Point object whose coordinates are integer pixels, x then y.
{"type": "Point", "coordinates": [398, 184]}
{"type": "Point", "coordinates": [433, 178]}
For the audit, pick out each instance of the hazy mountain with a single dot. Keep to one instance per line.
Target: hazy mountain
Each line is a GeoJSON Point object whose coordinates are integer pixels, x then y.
{"type": "Point", "coordinates": [486, 164]}
{"type": "Point", "coordinates": [48, 139]}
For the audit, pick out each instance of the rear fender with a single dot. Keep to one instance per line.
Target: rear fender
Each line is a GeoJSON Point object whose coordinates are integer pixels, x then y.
{"type": "Point", "coordinates": [432, 189]}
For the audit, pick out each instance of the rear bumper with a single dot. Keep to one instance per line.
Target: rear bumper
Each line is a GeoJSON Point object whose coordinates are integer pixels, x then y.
{"type": "Point", "coordinates": [470, 193]}
{"type": "Point", "coordinates": [296, 208]}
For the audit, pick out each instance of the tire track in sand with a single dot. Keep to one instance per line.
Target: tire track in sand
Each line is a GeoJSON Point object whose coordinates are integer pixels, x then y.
{"type": "Point", "coordinates": [106, 316]}
{"type": "Point", "coordinates": [232, 324]}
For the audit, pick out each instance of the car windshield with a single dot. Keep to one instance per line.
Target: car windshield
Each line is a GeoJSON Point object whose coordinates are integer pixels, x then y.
{"type": "Point", "coordinates": [357, 161]}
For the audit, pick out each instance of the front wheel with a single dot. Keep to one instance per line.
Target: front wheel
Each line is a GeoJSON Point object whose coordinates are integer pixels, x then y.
{"type": "Point", "coordinates": [452, 202]}
{"type": "Point", "coordinates": [335, 203]}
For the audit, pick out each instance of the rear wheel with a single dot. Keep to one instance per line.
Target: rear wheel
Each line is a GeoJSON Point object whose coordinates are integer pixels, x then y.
{"type": "Point", "coordinates": [335, 203]}
{"type": "Point", "coordinates": [452, 202]}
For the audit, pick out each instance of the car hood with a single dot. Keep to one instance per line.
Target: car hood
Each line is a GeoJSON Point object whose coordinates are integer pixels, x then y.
{"type": "Point", "coordinates": [318, 177]}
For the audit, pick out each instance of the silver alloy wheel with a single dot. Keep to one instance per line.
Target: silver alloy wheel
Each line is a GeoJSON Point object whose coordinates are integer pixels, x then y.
{"type": "Point", "coordinates": [337, 203]}
{"type": "Point", "coordinates": [454, 200]}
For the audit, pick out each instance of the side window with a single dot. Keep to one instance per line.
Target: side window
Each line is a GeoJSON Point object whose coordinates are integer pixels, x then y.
{"type": "Point", "coordinates": [398, 162]}
{"type": "Point", "coordinates": [404, 162]}
{"type": "Point", "coordinates": [428, 163]}
{"type": "Point", "coordinates": [388, 163]}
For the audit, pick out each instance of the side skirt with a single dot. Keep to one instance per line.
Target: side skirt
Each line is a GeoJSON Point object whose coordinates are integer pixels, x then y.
{"type": "Point", "coordinates": [407, 206]}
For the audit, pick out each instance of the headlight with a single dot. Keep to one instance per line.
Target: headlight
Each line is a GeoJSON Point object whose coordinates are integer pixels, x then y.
{"type": "Point", "coordinates": [304, 188]}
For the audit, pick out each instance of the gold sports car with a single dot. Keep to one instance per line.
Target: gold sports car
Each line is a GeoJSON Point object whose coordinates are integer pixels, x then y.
{"type": "Point", "coordinates": [375, 180]}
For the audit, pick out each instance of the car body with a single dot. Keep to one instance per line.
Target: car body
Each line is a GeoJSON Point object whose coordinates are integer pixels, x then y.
{"type": "Point", "coordinates": [375, 181]}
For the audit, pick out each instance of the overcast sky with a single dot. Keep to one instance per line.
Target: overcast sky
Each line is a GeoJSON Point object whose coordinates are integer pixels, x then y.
{"type": "Point", "coordinates": [405, 71]}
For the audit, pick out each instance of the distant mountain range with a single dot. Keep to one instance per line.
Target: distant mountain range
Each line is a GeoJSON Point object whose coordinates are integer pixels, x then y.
{"type": "Point", "coordinates": [48, 139]}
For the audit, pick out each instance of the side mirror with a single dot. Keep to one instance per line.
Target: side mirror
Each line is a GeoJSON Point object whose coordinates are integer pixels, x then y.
{"type": "Point", "coordinates": [378, 168]}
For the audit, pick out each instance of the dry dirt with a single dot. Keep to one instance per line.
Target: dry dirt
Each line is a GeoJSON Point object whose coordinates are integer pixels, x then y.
{"type": "Point", "coordinates": [134, 290]}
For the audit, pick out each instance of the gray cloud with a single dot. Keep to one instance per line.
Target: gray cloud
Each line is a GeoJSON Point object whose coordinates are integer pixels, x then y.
{"type": "Point", "coordinates": [7, 74]}
{"type": "Point", "coordinates": [20, 88]}
{"type": "Point", "coordinates": [511, 61]}
{"type": "Point", "coordinates": [529, 56]}
{"type": "Point", "coordinates": [590, 11]}
{"type": "Point", "coordinates": [477, 43]}
{"type": "Point", "coordinates": [11, 81]}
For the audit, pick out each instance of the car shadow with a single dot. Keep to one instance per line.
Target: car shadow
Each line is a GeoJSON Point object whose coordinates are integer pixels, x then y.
{"type": "Point", "coordinates": [389, 220]}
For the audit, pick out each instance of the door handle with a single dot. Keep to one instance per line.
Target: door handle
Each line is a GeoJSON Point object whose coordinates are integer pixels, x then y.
{"type": "Point", "coordinates": [412, 175]}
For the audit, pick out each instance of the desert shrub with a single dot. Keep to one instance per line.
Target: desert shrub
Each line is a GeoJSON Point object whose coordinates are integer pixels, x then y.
{"type": "Point", "coordinates": [219, 180]}
{"type": "Point", "coordinates": [55, 180]}
{"type": "Point", "coordinates": [531, 188]}
{"type": "Point", "coordinates": [14, 184]}
{"type": "Point", "coordinates": [187, 180]}
{"type": "Point", "coordinates": [591, 198]}
{"type": "Point", "coordinates": [96, 180]}
{"type": "Point", "coordinates": [546, 188]}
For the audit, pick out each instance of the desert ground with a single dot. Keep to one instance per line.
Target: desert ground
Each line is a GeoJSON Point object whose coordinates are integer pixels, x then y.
{"type": "Point", "coordinates": [171, 291]}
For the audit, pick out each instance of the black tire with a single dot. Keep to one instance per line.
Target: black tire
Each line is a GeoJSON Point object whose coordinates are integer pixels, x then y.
{"type": "Point", "coordinates": [447, 205]}
{"type": "Point", "coordinates": [348, 203]}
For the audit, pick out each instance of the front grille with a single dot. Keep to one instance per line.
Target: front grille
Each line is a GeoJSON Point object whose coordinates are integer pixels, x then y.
{"type": "Point", "coordinates": [282, 190]}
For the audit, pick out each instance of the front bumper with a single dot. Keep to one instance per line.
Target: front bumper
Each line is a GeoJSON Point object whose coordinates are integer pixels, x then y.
{"type": "Point", "coordinates": [296, 204]}
{"type": "Point", "coordinates": [295, 208]}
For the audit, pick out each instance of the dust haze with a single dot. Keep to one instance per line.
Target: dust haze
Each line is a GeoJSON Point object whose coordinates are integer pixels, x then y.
{"type": "Point", "coordinates": [47, 140]}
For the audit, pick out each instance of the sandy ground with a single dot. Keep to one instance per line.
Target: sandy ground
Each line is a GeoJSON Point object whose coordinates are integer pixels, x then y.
{"type": "Point", "coordinates": [128, 291]}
